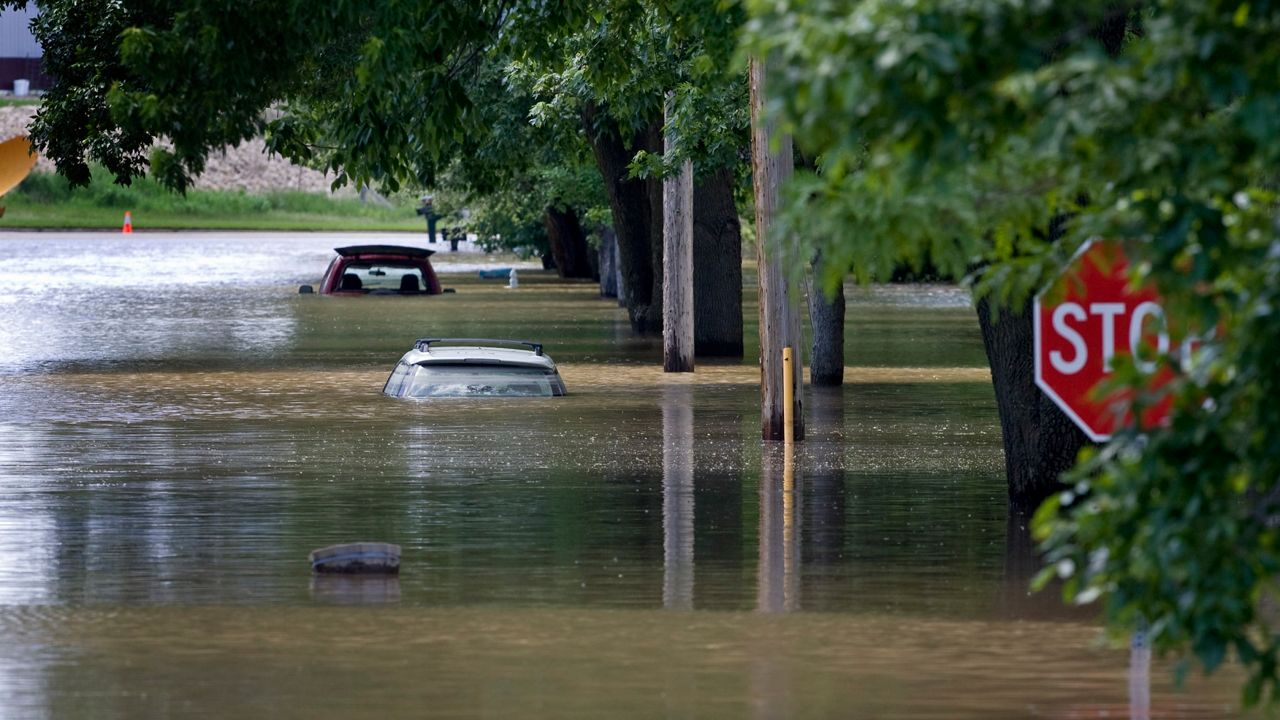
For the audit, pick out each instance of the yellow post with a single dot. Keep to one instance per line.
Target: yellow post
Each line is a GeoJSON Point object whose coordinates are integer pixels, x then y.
{"type": "Point", "coordinates": [788, 396]}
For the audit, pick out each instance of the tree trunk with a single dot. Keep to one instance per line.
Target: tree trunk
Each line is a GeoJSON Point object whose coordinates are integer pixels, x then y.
{"type": "Point", "coordinates": [677, 263]}
{"type": "Point", "coordinates": [826, 317]}
{"type": "Point", "coordinates": [653, 143]}
{"type": "Point", "coordinates": [1040, 442]}
{"type": "Point", "coordinates": [568, 242]}
{"type": "Point", "coordinates": [717, 268]}
{"type": "Point", "coordinates": [608, 263]}
{"type": "Point", "coordinates": [779, 311]}
{"type": "Point", "coordinates": [632, 204]}
{"type": "Point", "coordinates": [593, 259]}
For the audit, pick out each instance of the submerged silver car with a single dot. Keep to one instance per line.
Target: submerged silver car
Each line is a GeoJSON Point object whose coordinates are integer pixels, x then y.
{"type": "Point", "coordinates": [473, 367]}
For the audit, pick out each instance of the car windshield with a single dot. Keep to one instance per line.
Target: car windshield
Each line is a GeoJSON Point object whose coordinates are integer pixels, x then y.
{"type": "Point", "coordinates": [386, 276]}
{"type": "Point", "coordinates": [436, 381]}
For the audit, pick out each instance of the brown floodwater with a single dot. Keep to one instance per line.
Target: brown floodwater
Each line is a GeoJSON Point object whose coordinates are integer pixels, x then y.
{"type": "Point", "coordinates": [178, 428]}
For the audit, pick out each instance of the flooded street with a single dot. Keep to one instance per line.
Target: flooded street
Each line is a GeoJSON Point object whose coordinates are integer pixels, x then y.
{"type": "Point", "coordinates": [178, 428]}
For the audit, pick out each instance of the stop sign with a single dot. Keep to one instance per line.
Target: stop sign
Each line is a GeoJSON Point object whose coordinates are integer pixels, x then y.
{"type": "Point", "coordinates": [1085, 319]}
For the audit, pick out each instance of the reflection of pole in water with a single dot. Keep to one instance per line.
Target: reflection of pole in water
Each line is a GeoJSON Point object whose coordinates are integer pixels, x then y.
{"type": "Point", "coordinates": [1140, 675]}
{"type": "Point", "coordinates": [777, 577]}
{"type": "Point", "coordinates": [778, 574]}
{"type": "Point", "coordinates": [790, 533]}
{"type": "Point", "coordinates": [677, 498]}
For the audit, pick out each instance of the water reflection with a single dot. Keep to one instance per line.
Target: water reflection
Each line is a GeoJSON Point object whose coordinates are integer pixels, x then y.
{"type": "Point", "coordinates": [30, 538]}
{"type": "Point", "coordinates": [167, 293]}
{"type": "Point", "coordinates": [1022, 561]}
{"type": "Point", "coordinates": [823, 530]}
{"type": "Point", "coordinates": [778, 574]}
{"type": "Point", "coordinates": [355, 589]}
{"type": "Point", "coordinates": [677, 498]}
{"type": "Point", "coordinates": [1018, 600]}
{"type": "Point", "coordinates": [170, 452]}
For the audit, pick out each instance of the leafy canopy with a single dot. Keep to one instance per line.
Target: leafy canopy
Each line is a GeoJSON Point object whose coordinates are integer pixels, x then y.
{"type": "Point", "coordinates": [483, 99]}
{"type": "Point", "coordinates": [375, 92]}
{"type": "Point", "coordinates": [953, 130]}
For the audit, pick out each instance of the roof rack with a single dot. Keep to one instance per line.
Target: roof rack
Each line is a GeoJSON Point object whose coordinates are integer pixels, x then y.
{"type": "Point", "coordinates": [426, 342]}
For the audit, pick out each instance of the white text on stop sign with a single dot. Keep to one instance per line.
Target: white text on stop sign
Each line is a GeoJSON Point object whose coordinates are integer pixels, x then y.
{"type": "Point", "coordinates": [1107, 312]}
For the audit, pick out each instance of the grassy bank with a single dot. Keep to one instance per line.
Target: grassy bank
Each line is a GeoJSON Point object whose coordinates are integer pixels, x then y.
{"type": "Point", "coordinates": [45, 201]}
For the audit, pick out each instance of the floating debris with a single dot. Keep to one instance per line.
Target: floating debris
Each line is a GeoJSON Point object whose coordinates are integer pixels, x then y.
{"type": "Point", "coordinates": [360, 557]}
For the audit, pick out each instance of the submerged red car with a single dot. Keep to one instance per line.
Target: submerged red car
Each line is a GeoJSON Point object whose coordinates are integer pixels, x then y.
{"type": "Point", "coordinates": [379, 270]}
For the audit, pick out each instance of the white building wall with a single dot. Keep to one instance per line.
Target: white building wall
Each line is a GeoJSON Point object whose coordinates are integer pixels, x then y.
{"type": "Point", "coordinates": [16, 40]}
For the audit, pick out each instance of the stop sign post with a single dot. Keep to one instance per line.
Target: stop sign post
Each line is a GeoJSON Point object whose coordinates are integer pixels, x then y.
{"type": "Point", "coordinates": [1083, 320]}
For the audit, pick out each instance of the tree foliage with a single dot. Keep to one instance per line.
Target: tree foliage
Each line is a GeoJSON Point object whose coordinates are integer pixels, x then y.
{"type": "Point", "coordinates": [947, 132]}
{"type": "Point", "coordinates": [953, 130]}
{"type": "Point", "coordinates": [377, 93]}
{"type": "Point", "coordinates": [625, 56]}
{"type": "Point", "coordinates": [506, 171]}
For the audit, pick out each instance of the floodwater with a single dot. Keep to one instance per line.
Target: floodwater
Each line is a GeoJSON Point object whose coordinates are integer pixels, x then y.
{"type": "Point", "coordinates": [178, 428]}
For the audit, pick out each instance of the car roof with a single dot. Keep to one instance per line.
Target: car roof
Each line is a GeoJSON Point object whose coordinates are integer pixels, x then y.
{"type": "Point", "coordinates": [405, 250]}
{"type": "Point", "coordinates": [427, 351]}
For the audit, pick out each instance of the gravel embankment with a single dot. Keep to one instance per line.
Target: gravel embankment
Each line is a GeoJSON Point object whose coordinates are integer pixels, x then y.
{"type": "Point", "coordinates": [245, 168]}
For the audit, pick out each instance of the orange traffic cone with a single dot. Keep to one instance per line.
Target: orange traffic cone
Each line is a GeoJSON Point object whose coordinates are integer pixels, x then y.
{"type": "Point", "coordinates": [128, 222]}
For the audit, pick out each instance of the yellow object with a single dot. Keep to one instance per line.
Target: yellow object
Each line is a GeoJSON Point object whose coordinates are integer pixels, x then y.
{"type": "Point", "coordinates": [16, 160]}
{"type": "Point", "coordinates": [788, 396]}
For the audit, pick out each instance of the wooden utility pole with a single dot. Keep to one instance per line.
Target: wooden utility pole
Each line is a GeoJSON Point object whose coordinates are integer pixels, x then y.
{"type": "Point", "coordinates": [677, 259]}
{"type": "Point", "coordinates": [779, 307]}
